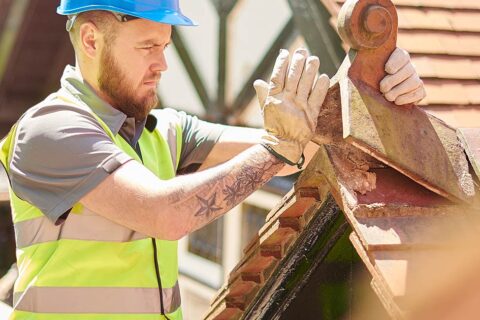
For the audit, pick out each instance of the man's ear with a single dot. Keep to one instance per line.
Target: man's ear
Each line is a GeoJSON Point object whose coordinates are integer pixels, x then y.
{"type": "Point", "coordinates": [89, 37]}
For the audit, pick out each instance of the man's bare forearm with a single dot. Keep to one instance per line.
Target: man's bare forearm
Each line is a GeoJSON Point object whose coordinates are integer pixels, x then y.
{"type": "Point", "coordinates": [235, 140]}
{"type": "Point", "coordinates": [201, 197]}
{"type": "Point", "coordinates": [134, 197]}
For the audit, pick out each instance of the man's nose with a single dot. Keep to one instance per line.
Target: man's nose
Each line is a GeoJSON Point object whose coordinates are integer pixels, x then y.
{"type": "Point", "coordinates": [160, 63]}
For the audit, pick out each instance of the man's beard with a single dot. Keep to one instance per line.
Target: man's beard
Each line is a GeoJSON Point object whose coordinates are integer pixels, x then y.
{"type": "Point", "coordinates": [114, 84]}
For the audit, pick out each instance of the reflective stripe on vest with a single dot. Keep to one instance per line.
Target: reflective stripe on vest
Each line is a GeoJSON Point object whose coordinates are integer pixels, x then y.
{"type": "Point", "coordinates": [76, 227]}
{"type": "Point", "coordinates": [96, 300]}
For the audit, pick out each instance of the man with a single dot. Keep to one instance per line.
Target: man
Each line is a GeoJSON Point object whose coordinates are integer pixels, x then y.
{"type": "Point", "coordinates": [96, 200]}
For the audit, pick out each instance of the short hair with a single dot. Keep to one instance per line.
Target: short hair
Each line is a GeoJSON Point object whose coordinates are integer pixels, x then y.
{"type": "Point", "coordinates": [104, 21]}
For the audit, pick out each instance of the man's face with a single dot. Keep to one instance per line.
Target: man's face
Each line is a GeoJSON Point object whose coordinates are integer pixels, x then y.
{"type": "Point", "coordinates": [130, 67]}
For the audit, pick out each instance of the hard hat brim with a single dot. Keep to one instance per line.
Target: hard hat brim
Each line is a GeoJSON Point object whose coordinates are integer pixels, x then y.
{"type": "Point", "coordinates": [170, 17]}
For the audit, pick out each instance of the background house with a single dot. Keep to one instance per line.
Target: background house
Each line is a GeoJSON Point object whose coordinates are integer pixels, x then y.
{"type": "Point", "coordinates": [211, 69]}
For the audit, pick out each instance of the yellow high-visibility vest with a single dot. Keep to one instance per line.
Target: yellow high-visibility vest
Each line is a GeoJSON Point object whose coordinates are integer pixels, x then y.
{"type": "Point", "coordinates": [90, 267]}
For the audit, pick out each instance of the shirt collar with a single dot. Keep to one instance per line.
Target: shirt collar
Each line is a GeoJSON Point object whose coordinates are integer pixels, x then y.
{"type": "Point", "coordinates": [132, 130]}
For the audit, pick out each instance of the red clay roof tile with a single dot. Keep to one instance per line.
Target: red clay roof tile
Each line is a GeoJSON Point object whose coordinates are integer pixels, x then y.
{"type": "Point", "coordinates": [447, 67]}
{"type": "Point", "coordinates": [445, 4]}
{"type": "Point", "coordinates": [457, 4]}
{"type": "Point", "coordinates": [451, 92]}
{"type": "Point", "coordinates": [439, 42]}
{"type": "Point", "coordinates": [438, 19]}
{"type": "Point", "coordinates": [456, 115]}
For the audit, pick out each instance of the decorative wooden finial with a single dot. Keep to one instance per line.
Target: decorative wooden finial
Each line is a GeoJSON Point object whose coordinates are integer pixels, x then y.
{"type": "Point", "coordinates": [366, 24]}
{"type": "Point", "coordinates": [370, 28]}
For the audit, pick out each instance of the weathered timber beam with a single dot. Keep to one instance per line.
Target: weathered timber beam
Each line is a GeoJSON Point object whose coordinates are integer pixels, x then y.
{"type": "Point", "coordinates": [285, 37]}
{"type": "Point", "coordinates": [222, 63]}
{"type": "Point", "coordinates": [5, 5]}
{"type": "Point", "coordinates": [313, 21]}
{"type": "Point", "coordinates": [192, 71]}
{"type": "Point", "coordinates": [12, 19]}
{"type": "Point", "coordinates": [224, 7]}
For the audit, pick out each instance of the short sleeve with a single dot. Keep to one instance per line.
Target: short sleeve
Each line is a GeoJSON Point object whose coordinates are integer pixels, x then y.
{"type": "Point", "coordinates": [198, 139]}
{"type": "Point", "coordinates": [60, 154]}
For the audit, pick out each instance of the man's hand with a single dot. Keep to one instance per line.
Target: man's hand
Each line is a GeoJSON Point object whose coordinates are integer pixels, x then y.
{"type": "Point", "coordinates": [402, 85]}
{"type": "Point", "coordinates": [291, 103]}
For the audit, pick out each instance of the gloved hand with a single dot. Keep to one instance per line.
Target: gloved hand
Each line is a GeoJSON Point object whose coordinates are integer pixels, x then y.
{"type": "Point", "coordinates": [402, 85]}
{"type": "Point", "coordinates": [291, 103]}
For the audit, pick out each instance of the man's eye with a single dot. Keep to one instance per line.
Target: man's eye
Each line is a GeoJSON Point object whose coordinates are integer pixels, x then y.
{"type": "Point", "coordinates": [153, 47]}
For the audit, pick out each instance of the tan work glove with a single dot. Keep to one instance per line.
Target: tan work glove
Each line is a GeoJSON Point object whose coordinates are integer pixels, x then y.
{"type": "Point", "coordinates": [290, 104]}
{"type": "Point", "coordinates": [402, 85]}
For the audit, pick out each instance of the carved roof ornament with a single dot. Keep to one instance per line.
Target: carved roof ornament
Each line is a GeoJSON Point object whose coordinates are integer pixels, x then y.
{"type": "Point", "coordinates": [405, 138]}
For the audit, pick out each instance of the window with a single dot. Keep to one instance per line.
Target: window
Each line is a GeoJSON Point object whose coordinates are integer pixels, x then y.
{"type": "Point", "coordinates": [200, 254]}
{"type": "Point", "coordinates": [253, 219]}
{"type": "Point", "coordinates": [207, 242]}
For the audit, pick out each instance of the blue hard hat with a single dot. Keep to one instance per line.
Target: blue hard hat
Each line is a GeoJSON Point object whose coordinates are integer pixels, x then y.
{"type": "Point", "coordinates": [163, 11]}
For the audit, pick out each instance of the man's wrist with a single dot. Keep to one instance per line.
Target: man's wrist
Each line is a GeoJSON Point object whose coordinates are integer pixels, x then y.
{"type": "Point", "coordinates": [283, 159]}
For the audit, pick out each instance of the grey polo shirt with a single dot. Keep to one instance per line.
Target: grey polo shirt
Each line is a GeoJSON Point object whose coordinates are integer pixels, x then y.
{"type": "Point", "coordinates": [61, 152]}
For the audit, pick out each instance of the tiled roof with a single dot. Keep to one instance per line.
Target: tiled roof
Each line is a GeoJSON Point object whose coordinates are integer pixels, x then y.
{"type": "Point", "coordinates": [261, 256]}
{"type": "Point", "coordinates": [401, 232]}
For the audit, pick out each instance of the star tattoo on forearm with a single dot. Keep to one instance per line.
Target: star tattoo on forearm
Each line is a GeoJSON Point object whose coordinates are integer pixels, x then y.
{"type": "Point", "coordinates": [224, 187]}
{"type": "Point", "coordinates": [247, 182]}
{"type": "Point", "coordinates": [207, 206]}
